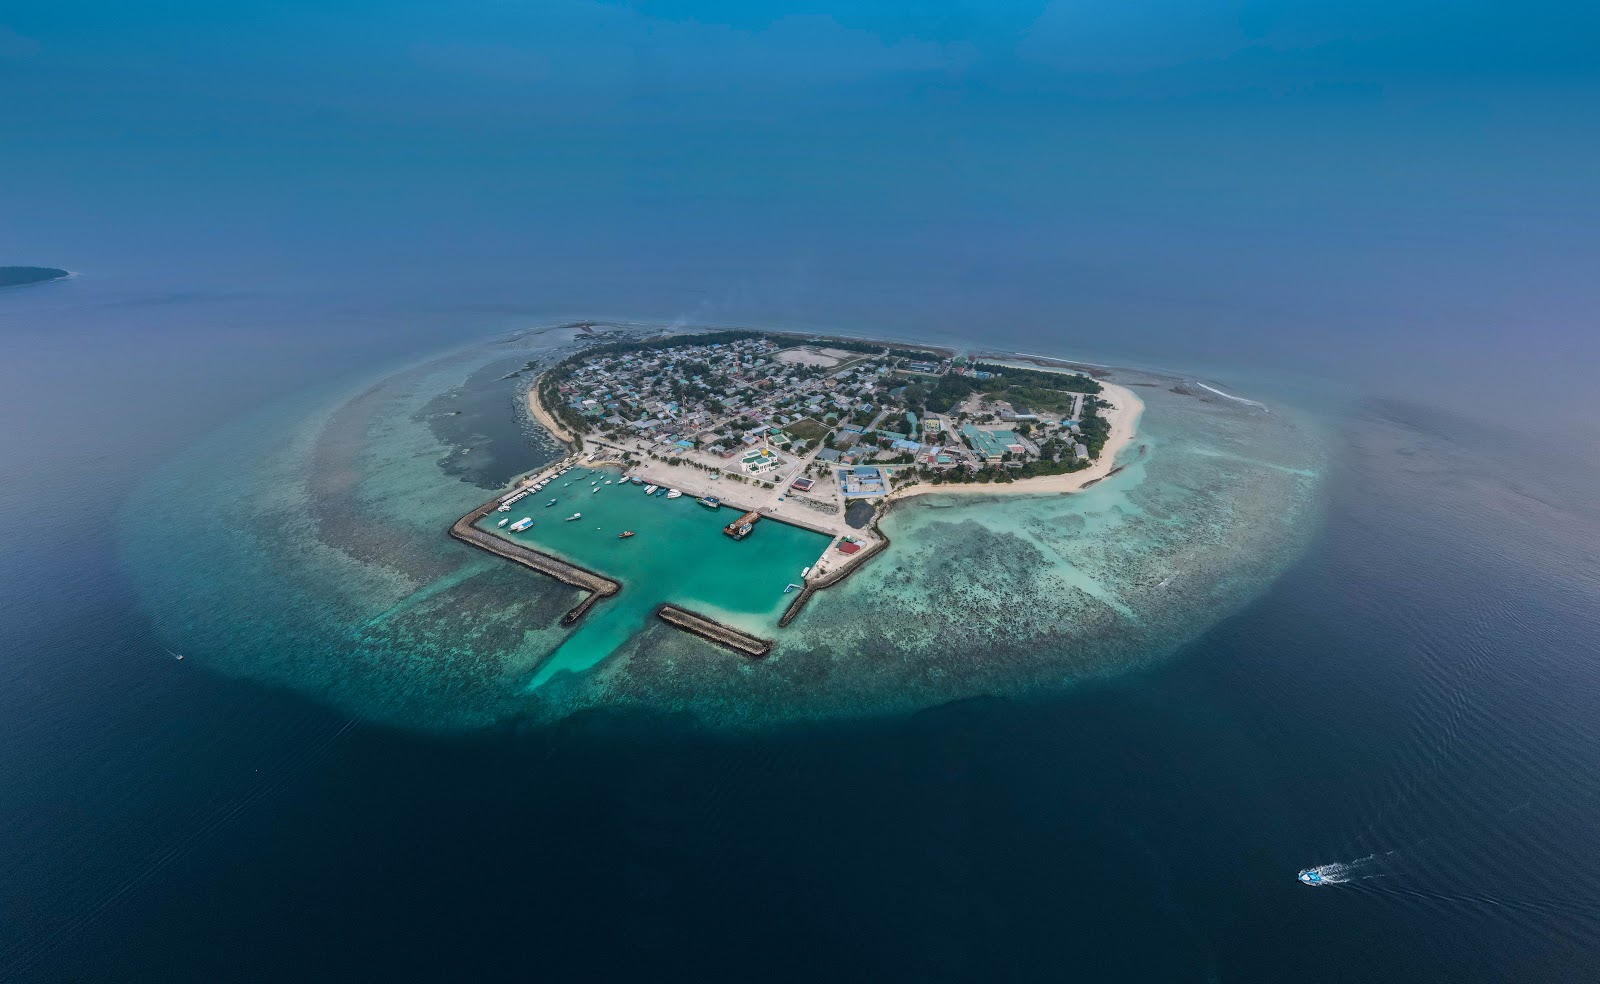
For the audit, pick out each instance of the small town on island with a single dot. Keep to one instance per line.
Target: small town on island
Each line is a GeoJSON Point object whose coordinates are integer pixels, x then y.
{"type": "Point", "coordinates": [818, 433]}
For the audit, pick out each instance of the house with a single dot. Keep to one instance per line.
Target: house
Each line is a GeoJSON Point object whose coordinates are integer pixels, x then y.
{"type": "Point", "coordinates": [829, 455]}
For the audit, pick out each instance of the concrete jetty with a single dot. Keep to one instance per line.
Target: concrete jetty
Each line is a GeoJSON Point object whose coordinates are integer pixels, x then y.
{"type": "Point", "coordinates": [710, 630]}
{"type": "Point", "coordinates": [599, 586]}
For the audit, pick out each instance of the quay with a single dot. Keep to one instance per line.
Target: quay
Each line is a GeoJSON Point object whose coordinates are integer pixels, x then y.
{"type": "Point", "coordinates": [740, 528]}
{"type": "Point", "coordinates": [743, 643]}
{"type": "Point", "coordinates": [598, 586]}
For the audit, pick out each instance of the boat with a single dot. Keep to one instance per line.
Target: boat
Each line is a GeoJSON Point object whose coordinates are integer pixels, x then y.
{"type": "Point", "coordinates": [550, 503]}
{"type": "Point", "coordinates": [522, 524]}
{"type": "Point", "coordinates": [624, 534]}
{"type": "Point", "coordinates": [608, 481]}
{"type": "Point", "coordinates": [673, 493]}
{"type": "Point", "coordinates": [505, 508]}
{"type": "Point", "coordinates": [651, 489]}
{"type": "Point", "coordinates": [574, 516]}
{"type": "Point", "coordinates": [503, 522]}
{"type": "Point", "coordinates": [593, 491]}
{"type": "Point", "coordinates": [661, 491]}
{"type": "Point", "coordinates": [1311, 876]}
{"type": "Point", "coordinates": [710, 502]}
{"type": "Point", "coordinates": [636, 480]}
{"type": "Point", "coordinates": [804, 573]}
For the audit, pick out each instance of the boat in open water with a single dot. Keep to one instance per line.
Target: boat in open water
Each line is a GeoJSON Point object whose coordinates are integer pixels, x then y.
{"type": "Point", "coordinates": [574, 516]}
{"type": "Point", "coordinates": [1311, 876]}
{"type": "Point", "coordinates": [624, 534]}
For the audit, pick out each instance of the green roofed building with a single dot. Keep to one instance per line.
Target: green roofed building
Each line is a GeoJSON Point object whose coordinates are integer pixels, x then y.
{"type": "Point", "coordinates": [991, 445]}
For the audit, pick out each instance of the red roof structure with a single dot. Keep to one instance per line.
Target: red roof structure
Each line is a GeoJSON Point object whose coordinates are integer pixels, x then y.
{"type": "Point", "coordinates": [848, 547]}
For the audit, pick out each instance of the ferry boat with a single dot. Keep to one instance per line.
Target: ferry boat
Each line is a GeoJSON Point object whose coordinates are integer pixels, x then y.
{"type": "Point", "coordinates": [503, 522]}
{"type": "Point", "coordinates": [651, 489]}
{"type": "Point", "coordinates": [574, 516]}
{"type": "Point", "coordinates": [624, 534]}
{"type": "Point", "coordinates": [673, 493]}
{"type": "Point", "coordinates": [710, 502]}
{"type": "Point", "coordinates": [521, 524]}
{"type": "Point", "coordinates": [1311, 876]}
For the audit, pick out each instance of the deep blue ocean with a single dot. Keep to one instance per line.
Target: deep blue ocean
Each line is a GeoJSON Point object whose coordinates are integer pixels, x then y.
{"type": "Point", "coordinates": [1416, 698]}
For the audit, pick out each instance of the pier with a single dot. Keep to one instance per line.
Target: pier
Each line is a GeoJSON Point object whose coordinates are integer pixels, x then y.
{"type": "Point", "coordinates": [599, 586]}
{"type": "Point", "coordinates": [740, 528]}
{"type": "Point", "coordinates": [743, 643]}
{"type": "Point", "coordinates": [828, 580]}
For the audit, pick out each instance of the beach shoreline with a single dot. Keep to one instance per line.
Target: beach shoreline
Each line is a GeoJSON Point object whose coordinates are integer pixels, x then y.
{"type": "Point", "coordinates": [1123, 416]}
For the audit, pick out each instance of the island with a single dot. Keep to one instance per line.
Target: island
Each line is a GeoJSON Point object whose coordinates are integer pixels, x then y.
{"type": "Point", "coordinates": [818, 433]}
{"type": "Point", "coordinates": [21, 276]}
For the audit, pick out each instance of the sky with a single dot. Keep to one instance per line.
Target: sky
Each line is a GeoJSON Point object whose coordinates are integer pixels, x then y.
{"type": "Point", "coordinates": [1400, 194]}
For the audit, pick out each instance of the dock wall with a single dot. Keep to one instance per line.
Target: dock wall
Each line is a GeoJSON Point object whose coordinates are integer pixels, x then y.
{"type": "Point", "coordinates": [711, 630]}
{"type": "Point", "coordinates": [599, 586]}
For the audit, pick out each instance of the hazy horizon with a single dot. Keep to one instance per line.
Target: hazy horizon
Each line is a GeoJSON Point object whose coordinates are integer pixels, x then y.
{"type": "Point", "coordinates": [1395, 195]}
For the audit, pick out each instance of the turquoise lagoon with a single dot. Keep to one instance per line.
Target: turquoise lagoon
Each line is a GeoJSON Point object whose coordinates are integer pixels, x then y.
{"type": "Point", "coordinates": [306, 547]}
{"type": "Point", "coordinates": [677, 554]}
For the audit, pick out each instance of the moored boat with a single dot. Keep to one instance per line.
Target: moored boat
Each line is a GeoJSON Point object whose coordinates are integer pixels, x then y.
{"type": "Point", "coordinates": [710, 502]}
{"type": "Point", "coordinates": [503, 522]}
{"type": "Point", "coordinates": [522, 524]}
{"type": "Point", "coordinates": [651, 489]}
{"type": "Point", "coordinates": [673, 493]}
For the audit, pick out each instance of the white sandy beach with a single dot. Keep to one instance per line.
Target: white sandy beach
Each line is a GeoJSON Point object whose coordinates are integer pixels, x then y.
{"type": "Point", "coordinates": [1126, 409]}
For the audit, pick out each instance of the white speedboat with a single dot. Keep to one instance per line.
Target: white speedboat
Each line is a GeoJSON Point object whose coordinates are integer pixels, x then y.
{"type": "Point", "coordinates": [608, 481]}
{"type": "Point", "coordinates": [550, 503]}
{"type": "Point", "coordinates": [503, 522]}
{"type": "Point", "coordinates": [522, 524]}
{"type": "Point", "coordinates": [673, 493]}
{"type": "Point", "coordinates": [594, 490]}
{"type": "Point", "coordinates": [574, 516]}
{"type": "Point", "coordinates": [506, 507]}
{"type": "Point", "coordinates": [651, 489]}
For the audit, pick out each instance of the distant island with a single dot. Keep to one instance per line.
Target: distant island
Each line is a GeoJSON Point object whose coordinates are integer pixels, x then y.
{"type": "Point", "coordinates": [21, 276]}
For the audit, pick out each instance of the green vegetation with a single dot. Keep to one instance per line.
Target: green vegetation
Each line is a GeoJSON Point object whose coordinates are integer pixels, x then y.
{"type": "Point", "coordinates": [805, 430]}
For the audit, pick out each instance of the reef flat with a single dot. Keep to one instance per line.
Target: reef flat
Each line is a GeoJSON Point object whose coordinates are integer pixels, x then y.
{"type": "Point", "coordinates": [305, 547]}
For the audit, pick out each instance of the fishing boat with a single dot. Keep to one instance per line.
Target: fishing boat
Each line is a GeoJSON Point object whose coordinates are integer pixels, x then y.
{"type": "Point", "coordinates": [503, 522]}
{"type": "Point", "coordinates": [673, 493]}
{"type": "Point", "coordinates": [624, 534]}
{"type": "Point", "coordinates": [1311, 876]}
{"type": "Point", "coordinates": [574, 516]}
{"type": "Point", "coordinates": [522, 524]}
